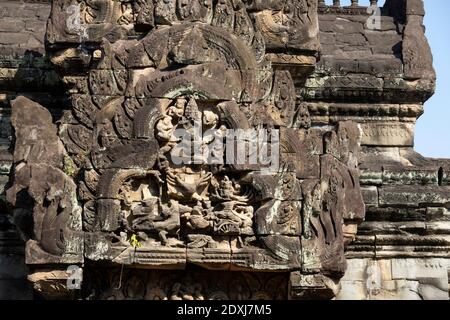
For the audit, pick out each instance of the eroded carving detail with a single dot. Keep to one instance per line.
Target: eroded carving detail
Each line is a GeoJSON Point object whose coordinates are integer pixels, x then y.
{"type": "Point", "coordinates": [149, 200]}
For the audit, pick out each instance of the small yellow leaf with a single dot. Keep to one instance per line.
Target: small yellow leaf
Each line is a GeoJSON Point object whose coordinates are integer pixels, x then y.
{"type": "Point", "coordinates": [135, 242]}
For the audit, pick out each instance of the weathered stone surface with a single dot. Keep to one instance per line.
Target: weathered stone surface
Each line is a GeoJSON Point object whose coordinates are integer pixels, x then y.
{"type": "Point", "coordinates": [410, 279]}
{"type": "Point", "coordinates": [419, 61]}
{"type": "Point", "coordinates": [36, 138]}
{"type": "Point", "coordinates": [198, 285]}
{"type": "Point", "coordinates": [414, 196]}
{"type": "Point", "coordinates": [106, 180]}
{"type": "Point", "coordinates": [352, 290]}
{"type": "Point", "coordinates": [42, 189]}
{"type": "Point", "coordinates": [117, 174]}
{"type": "Point", "coordinates": [283, 24]}
{"type": "Point", "coordinates": [370, 195]}
{"type": "Point", "coordinates": [429, 291]}
{"type": "Point", "coordinates": [52, 284]}
{"type": "Point", "coordinates": [402, 175]}
{"type": "Point", "coordinates": [311, 287]}
{"type": "Point", "coordinates": [387, 134]}
{"type": "Point", "coordinates": [416, 268]}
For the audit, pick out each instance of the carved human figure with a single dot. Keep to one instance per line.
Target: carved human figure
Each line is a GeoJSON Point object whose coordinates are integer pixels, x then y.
{"type": "Point", "coordinates": [210, 119]}
{"type": "Point", "coordinates": [243, 27]}
{"type": "Point", "coordinates": [165, 130]}
{"type": "Point", "coordinates": [226, 188]}
{"type": "Point", "coordinates": [177, 110]}
{"type": "Point", "coordinates": [224, 15]}
{"type": "Point", "coordinates": [199, 75]}
{"type": "Point", "coordinates": [143, 10]}
{"type": "Point", "coordinates": [165, 12]}
{"type": "Point", "coordinates": [191, 9]}
{"type": "Point", "coordinates": [176, 292]}
{"type": "Point", "coordinates": [106, 135]}
{"type": "Point", "coordinates": [216, 147]}
{"type": "Point", "coordinates": [302, 118]}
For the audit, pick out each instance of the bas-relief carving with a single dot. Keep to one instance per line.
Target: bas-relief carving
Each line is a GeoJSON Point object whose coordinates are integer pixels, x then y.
{"type": "Point", "coordinates": [417, 57]}
{"type": "Point", "coordinates": [200, 64]}
{"type": "Point", "coordinates": [288, 23]}
{"type": "Point", "coordinates": [395, 279]}
{"type": "Point", "coordinates": [43, 195]}
{"type": "Point", "coordinates": [179, 285]}
{"type": "Point", "coordinates": [387, 134]}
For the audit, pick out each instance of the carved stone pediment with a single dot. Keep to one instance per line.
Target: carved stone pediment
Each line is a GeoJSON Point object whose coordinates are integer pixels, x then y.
{"type": "Point", "coordinates": [142, 174]}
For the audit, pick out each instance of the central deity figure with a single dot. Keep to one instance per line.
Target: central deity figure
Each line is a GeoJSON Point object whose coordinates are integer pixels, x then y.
{"type": "Point", "coordinates": [156, 87]}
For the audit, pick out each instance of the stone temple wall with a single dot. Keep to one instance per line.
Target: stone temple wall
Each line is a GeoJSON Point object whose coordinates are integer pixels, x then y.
{"type": "Point", "coordinates": [23, 71]}
{"type": "Point", "coordinates": [378, 78]}
{"type": "Point", "coordinates": [401, 250]}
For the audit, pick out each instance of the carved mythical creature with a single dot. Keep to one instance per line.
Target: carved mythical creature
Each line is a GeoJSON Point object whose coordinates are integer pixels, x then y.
{"type": "Point", "coordinates": [155, 87]}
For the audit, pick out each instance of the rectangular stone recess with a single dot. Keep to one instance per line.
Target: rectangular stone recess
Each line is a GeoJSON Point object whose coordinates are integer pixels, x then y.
{"type": "Point", "coordinates": [387, 134]}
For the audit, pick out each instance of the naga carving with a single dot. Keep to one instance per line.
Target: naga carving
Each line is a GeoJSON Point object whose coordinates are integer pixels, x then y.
{"type": "Point", "coordinates": [142, 170]}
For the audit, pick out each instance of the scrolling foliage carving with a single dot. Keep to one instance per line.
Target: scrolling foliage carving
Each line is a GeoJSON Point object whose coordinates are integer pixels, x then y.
{"type": "Point", "coordinates": [156, 88]}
